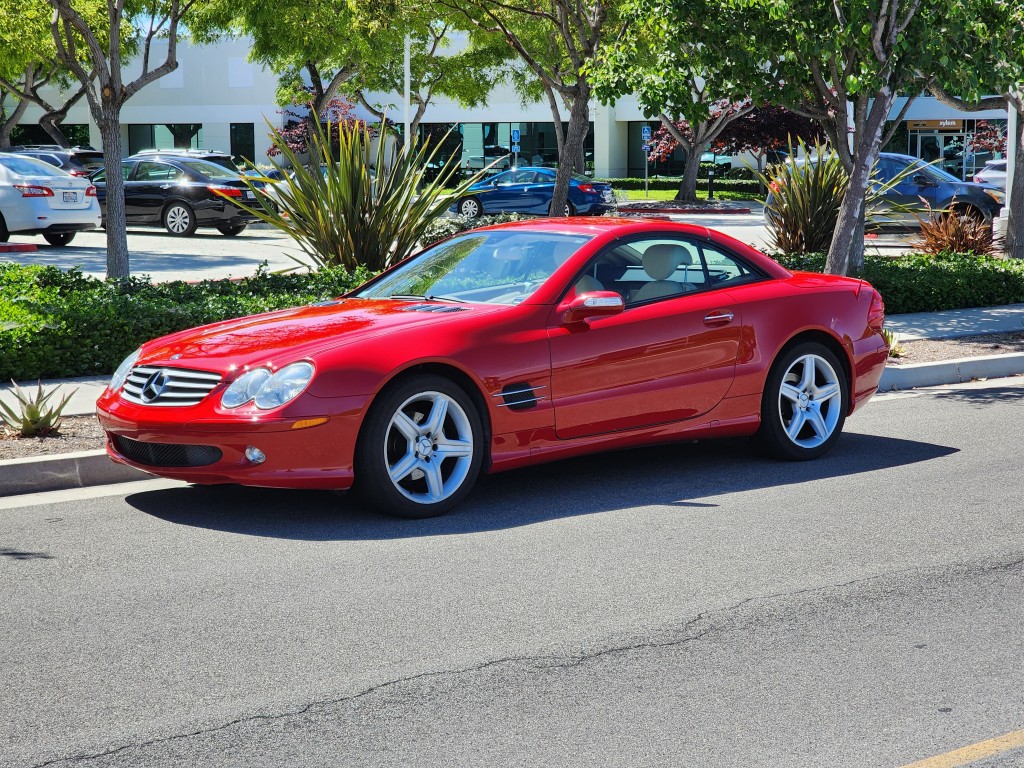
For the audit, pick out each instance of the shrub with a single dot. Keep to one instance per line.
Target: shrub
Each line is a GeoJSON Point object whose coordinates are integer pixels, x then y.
{"type": "Point", "coordinates": [343, 214]}
{"type": "Point", "coordinates": [917, 282]}
{"type": "Point", "coordinates": [806, 198]}
{"type": "Point", "coordinates": [953, 232]}
{"type": "Point", "coordinates": [58, 324]}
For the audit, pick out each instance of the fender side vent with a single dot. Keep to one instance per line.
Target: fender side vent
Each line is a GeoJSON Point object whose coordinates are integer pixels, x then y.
{"type": "Point", "coordinates": [519, 396]}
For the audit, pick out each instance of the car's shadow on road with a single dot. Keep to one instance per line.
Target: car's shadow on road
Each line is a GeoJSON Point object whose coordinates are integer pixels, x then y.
{"type": "Point", "coordinates": [675, 475]}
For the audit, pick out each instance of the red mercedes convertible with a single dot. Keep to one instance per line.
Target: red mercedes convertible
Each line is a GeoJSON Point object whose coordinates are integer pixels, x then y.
{"type": "Point", "coordinates": [504, 347]}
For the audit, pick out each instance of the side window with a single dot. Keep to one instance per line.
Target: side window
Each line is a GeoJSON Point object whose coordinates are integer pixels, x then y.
{"type": "Point", "coordinates": [126, 170]}
{"type": "Point", "coordinates": [148, 171]}
{"type": "Point", "coordinates": [524, 177]}
{"type": "Point", "coordinates": [656, 268]}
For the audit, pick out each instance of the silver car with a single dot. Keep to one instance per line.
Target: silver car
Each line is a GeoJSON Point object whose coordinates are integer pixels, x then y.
{"type": "Point", "coordinates": [39, 199]}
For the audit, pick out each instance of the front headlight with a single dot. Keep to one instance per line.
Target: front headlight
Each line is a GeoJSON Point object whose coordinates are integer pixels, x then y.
{"type": "Point", "coordinates": [268, 390]}
{"type": "Point", "coordinates": [244, 388]}
{"type": "Point", "coordinates": [123, 370]}
{"type": "Point", "coordinates": [997, 195]}
{"type": "Point", "coordinates": [284, 385]}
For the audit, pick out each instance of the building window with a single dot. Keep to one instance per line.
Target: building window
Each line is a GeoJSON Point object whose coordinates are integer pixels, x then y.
{"type": "Point", "coordinates": [243, 142]}
{"type": "Point", "coordinates": [167, 136]}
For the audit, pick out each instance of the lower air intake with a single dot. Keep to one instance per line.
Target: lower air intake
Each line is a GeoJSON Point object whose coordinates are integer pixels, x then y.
{"type": "Point", "coordinates": [166, 454]}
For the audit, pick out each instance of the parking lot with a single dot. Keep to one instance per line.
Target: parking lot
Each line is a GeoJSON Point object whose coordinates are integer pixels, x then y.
{"type": "Point", "coordinates": [210, 255]}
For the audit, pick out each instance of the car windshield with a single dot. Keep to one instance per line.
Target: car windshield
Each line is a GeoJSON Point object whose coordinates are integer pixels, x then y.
{"type": "Point", "coordinates": [499, 267]}
{"type": "Point", "coordinates": [29, 166]}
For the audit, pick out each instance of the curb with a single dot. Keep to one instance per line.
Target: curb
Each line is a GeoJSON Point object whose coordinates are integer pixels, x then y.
{"type": "Point", "coordinates": [957, 371]}
{"type": "Point", "coordinates": [17, 248]}
{"type": "Point", "coordinates": [60, 472]}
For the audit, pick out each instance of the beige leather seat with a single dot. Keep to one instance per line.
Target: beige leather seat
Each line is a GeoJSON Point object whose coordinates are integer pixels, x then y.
{"type": "Point", "coordinates": [588, 284]}
{"type": "Point", "coordinates": [660, 262]}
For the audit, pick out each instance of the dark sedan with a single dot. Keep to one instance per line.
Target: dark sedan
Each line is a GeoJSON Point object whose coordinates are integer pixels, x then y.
{"type": "Point", "coordinates": [180, 194]}
{"type": "Point", "coordinates": [529, 190]}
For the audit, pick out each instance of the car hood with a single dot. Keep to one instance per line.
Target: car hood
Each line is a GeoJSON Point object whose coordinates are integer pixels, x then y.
{"type": "Point", "coordinates": [279, 338]}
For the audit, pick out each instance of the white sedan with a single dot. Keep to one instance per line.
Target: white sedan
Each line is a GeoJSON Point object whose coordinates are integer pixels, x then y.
{"type": "Point", "coordinates": [38, 199]}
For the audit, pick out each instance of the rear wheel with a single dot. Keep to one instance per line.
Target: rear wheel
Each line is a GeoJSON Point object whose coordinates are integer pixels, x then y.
{"type": "Point", "coordinates": [231, 231]}
{"type": "Point", "coordinates": [180, 219]}
{"type": "Point", "coordinates": [470, 208]}
{"type": "Point", "coordinates": [59, 238]}
{"type": "Point", "coordinates": [568, 210]}
{"type": "Point", "coordinates": [420, 449]}
{"type": "Point", "coordinates": [4, 234]}
{"type": "Point", "coordinates": [804, 404]}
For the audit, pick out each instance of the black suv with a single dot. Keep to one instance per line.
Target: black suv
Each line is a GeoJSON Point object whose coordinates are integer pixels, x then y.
{"type": "Point", "coordinates": [78, 161]}
{"type": "Point", "coordinates": [180, 193]}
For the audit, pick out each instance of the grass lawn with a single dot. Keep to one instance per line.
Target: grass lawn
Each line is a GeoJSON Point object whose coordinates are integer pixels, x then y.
{"type": "Point", "coordinates": [670, 194]}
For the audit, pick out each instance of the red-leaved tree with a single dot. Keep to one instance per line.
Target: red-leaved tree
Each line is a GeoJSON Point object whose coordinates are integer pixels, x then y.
{"type": "Point", "coordinates": [297, 128]}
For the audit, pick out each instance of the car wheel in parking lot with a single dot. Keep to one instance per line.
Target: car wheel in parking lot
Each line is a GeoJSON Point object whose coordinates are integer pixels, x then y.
{"type": "Point", "coordinates": [4, 234]}
{"type": "Point", "coordinates": [567, 211]}
{"type": "Point", "coordinates": [59, 238]}
{"type": "Point", "coordinates": [231, 231]}
{"type": "Point", "coordinates": [470, 207]}
{"type": "Point", "coordinates": [180, 219]}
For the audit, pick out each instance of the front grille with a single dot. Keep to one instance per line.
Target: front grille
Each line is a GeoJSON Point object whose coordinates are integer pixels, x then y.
{"type": "Point", "coordinates": [155, 385]}
{"type": "Point", "coordinates": [166, 454]}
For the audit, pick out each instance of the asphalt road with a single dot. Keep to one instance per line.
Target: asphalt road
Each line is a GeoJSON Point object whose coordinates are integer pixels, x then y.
{"type": "Point", "coordinates": [682, 606]}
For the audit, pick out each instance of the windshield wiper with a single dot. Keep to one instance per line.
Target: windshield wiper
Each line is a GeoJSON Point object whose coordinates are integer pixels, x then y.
{"type": "Point", "coordinates": [417, 297]}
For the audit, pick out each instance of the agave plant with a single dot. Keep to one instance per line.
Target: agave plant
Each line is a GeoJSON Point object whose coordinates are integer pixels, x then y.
{"type": "Point", "coordinates": [35, 417]}
{"type": "Point", "coordinates": [354, 210]}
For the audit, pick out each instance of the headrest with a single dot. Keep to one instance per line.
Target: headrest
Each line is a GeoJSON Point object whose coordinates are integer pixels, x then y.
{"type": "Point", "coordinates": [661, 260]}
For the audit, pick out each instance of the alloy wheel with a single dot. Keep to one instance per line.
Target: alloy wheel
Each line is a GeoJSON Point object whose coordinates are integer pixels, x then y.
{"type": "Point", "coordinates": [810, 401]}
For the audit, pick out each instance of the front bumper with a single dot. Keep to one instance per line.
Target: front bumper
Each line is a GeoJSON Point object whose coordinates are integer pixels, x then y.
{"type": "Point", "coordinates": [198, 445]}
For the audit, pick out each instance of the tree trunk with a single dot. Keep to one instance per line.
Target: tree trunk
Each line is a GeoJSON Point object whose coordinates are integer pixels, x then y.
{"type": "Point", "coordinates": [10, 122]}
{"type": "Point", "coordinates": [1015, 225]}
{"type": "Point", "coordinates": [114, 215]}
{"type": "Point", "coordinates": [556, 118]}
{"type": "Point", "coordinates": [579, 124]}
{"type": "Point", "coordinates": [50, 122]}
{"type": "Point", "coordinates": [846, 253]}
{"type": "Point", "coordinates": [688, 186]}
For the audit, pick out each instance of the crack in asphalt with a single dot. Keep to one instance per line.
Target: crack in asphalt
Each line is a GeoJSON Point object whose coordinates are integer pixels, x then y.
{"type": "Point", "coordinates": [558, 661]}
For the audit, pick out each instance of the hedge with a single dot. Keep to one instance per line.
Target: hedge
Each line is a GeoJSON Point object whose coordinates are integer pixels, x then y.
{"type": "Point", "coordinates": [917, 282]}
{"type": "Point", "coordinates": [59, 324]}
{"type": "Point", "coordinates": [56, 324]}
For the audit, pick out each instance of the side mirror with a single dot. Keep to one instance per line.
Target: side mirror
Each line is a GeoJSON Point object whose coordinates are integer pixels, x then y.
{"type": "Point", "coordinates": [594, 304]}
{"type": "Point", "coordinates": [922, 181]}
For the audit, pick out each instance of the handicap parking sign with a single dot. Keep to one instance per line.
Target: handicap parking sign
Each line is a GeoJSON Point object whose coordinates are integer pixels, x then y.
{"type": "Point", "coordinates": [515, 135]}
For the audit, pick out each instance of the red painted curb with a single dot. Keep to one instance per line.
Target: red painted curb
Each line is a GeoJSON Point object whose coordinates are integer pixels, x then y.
{"type": "Point", "coordinates": [724, 211]}
{"type": "Point", "coordinates": [17, 248]}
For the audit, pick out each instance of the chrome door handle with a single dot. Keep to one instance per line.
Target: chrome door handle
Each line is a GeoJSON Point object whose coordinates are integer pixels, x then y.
{"type": "Point", "coordinates": [718, 318]}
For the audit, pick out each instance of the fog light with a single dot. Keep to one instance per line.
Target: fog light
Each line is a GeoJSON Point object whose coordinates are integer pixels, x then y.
{"type": "Point", "coordinates": [255, 455]}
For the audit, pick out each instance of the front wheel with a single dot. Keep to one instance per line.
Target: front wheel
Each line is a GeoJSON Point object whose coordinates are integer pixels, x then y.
{"type": "Point", "coordinates": [470, 208]}
{"type": "Point", "coordinates": [804, 404]}
{"type": "Point", "coordinates": [230, 231]}
{"type": "Point", "coordinates": [59, 238]}
{"type": "Point", "coordinates": [180, 219]}
{"type": "Point", "coordinates": [421, 448]}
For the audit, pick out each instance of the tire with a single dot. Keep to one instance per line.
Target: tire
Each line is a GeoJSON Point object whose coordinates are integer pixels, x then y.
{"type": "Point", "coordinates": [802, 413]}
{"type": "Point", "coordinates": [397, 465]}
{"type": "Point", "coordinates": [180, 220]}
{"type": "Point", "coordinates": [567, 211]}
{"type": "Point", "coordinates": [471, 208]}
{"type": "Point", "coordinates": [231, 231]}
{"type": "Point", "coordinates": [59, 238]}
{"type": "Point", "coordinates": [5, 235]}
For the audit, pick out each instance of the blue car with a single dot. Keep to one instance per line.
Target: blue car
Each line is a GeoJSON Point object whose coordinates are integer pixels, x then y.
{"type": "Point", "coordinates": [529, 190]}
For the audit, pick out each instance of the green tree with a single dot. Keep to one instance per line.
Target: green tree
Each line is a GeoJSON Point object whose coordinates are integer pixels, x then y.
{"type": "Point", "coordinates": [557, 41]}
{"type": "Point", "coordinates": [28, 63]}
{"type": "Point", "coordinates": [688, 63]}
{"type": "Point", "coordinates": [851, 59]}
{"type": "Point", "coordinates": [93, 51]}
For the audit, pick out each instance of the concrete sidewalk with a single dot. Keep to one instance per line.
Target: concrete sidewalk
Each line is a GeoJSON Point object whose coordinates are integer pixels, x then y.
{"type": "Point", "coordinates": [89, 468]}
